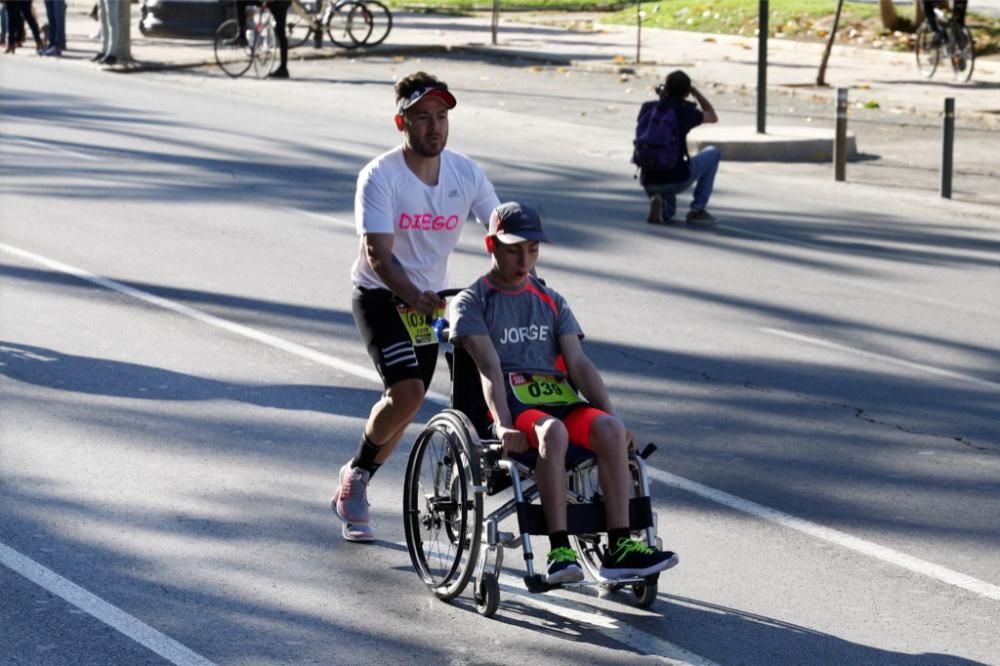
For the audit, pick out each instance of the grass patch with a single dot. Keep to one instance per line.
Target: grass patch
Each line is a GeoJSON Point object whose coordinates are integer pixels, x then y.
{"type": "Point", "coordinates": [469, 6]}
{"type": "Point", "coordinates": [809, 20]}
{"type": "Point", "coordinates": [792, 19]}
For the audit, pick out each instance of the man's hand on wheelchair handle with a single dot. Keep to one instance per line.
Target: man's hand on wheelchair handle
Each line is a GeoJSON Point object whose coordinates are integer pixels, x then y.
{"type": "Point", "coordinates": [427, 303]}
{"type": "Point", "coordinates": [513, 441]}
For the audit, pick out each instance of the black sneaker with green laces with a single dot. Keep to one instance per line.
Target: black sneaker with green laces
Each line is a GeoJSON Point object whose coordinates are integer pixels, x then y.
{"type": "Point", "coordinates": [563, 567]}
{"type": "Point", "coordinates": [631, 557]}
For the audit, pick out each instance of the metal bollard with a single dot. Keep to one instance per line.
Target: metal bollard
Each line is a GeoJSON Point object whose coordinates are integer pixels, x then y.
{"type": "Point", "coordinates": [762, 67]}
{"type": "Point", "coordinates": [840, 137]}
{"type": "Point", "coordinates": [947, 146]}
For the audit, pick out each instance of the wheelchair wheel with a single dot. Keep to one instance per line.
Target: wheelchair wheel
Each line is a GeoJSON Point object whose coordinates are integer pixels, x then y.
{"type": "Point", "coordinates": [645, 594]}
{"type": "Point", "coordinates": [488, 595]}
{"type": "Point", "coordinates": [443, 504]}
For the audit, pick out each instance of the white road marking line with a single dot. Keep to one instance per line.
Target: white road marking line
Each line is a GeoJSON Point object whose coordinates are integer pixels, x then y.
{"type": "Point", "coordinates": [929, 369]}
{"type": "Point", "coordinates": [54, 148]}
{"type": "Point", "coordinates": [141, 633]}
{"type": "Point", "coordinates": [205, 318]}
{"type": "Point", "coordinates": [928, 569]}
{"type": "Point", "coordinates": [922, 567]}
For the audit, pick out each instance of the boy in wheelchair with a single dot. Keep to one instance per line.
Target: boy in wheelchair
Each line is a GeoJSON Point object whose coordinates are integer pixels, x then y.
{"type": "Point", "coordinates": [525, 343]}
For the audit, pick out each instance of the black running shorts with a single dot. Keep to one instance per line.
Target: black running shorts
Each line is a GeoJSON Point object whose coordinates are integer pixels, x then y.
{"type": "Point", "coordinates": [388, 342]}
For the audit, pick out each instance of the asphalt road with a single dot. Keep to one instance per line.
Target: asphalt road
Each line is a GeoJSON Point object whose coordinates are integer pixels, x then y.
{"type": "Point", "coordinates": [180, 380]}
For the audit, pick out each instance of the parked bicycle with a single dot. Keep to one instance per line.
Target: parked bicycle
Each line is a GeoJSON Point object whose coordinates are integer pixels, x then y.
{"type": "Point", "coordinates": [347, 23]}
{"type": "Point", "coordinates": [956, 46]}
{"type": "Point", "coordinates": [237, 50]}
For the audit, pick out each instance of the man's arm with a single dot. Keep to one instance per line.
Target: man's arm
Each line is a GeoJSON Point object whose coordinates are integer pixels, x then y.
{"type": "Point", "coordinates": [378, 252]}
{"type": "Point", "coordinates": [482, 351]}
{"type": "Point", "coordinates": [707, 110]}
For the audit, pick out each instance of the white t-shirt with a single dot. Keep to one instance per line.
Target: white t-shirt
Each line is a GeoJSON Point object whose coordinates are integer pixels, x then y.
{"type": "Point", "coordinates": [426, 220]}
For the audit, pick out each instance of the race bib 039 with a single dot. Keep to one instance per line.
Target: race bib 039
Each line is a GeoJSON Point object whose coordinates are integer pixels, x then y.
{"type": "Point", "coordinates": [418, 326]}
{"type": "Point", "coordinates": [536, 389]}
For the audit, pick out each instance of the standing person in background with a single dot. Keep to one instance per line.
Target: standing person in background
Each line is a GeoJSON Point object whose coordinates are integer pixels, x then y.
{"type": "Point", "coordinates": [56, 12]}
{"type": "Point", "coordinates": [409, 209]}
{"type": "Point", "coordinates": [279, 10]}
{"type": "Point", "coordinates": [116, 18]}
{"type": "Point", "coordinates": [105, 10]}
{"type": "Point", "coordinates": [18, 13]}
{"type": "Point", "coordinates": [4, 25]}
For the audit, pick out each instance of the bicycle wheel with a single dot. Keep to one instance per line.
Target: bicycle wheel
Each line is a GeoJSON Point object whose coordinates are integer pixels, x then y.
{"type": "Point", "coordinates": [443, 505]}
{"type": "Point", "coordinates": [963, 58]}
{"type": "Point", "coordinates": [264, 50]}
{"type": "Point", "coordinates": [298, 26]}
{"type": "Point", "coordinates": [928, 53]}
{"type": "Point", "coordinates": [348, 26]}
{"type": "Point", "coordinates": [232, 53]}
{"type": "Point", "coordinates": [381, 21]}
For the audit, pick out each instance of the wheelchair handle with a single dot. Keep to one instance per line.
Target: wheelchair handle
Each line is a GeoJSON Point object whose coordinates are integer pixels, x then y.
{"type": "Point", "coordinates": [440, 325]}
{"type": "Point", "coordinates": [649, 450]}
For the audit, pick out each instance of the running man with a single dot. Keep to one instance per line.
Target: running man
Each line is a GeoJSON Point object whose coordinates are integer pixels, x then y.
{"type": "Point", "coordinates": [409, 209]}
{"type": "Point", "coordinates": [515, 329]}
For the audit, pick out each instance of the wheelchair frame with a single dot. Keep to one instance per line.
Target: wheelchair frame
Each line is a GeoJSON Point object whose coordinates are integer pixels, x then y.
{"type": "Point", "coordinates": [455, 465]}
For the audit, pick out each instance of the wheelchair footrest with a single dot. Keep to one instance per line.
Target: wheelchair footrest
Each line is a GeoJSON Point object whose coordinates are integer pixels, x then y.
{"type": "Point", "coordinates": [536, 584]}
{"type": "Point", "coordinates": [652, 579]}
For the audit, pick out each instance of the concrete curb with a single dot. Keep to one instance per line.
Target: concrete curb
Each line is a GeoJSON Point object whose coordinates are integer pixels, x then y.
{"type": "Point", "coordinates": [138, 66]}
{"type": "Point", "coordinates": [779, 144]}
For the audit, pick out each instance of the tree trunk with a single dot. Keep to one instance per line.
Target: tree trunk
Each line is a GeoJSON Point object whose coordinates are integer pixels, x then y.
{"type": "Point", "coordinates": [918, 13]}
{"type": "Point", "coordinates": [821, 75]}
{"type": "Point", "coordinates": [124, 29]}
{"type": "Point", "coordinates": [887, 11]}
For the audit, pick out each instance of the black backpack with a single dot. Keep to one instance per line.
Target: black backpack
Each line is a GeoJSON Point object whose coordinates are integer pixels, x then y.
{"type": "Point", "coordinates": [658, 140]}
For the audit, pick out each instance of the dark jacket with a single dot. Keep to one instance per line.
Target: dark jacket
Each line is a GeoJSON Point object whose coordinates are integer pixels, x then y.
{"type": "Point", "coordinates": [689, 116]}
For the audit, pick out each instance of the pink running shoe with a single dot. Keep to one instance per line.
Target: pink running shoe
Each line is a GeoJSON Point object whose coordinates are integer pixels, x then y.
{"type": "Point", "coordinates": [350, 499]}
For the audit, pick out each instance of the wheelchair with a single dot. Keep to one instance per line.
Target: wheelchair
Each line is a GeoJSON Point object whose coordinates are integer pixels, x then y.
{"type": "Point", "coordinates": [456, 464]}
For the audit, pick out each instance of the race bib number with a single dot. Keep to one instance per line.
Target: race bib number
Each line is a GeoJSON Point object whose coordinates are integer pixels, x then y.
{"type": "Point", "coordinates": [531, 389]}
{"type": "Point", "coordinates": [418, 326]}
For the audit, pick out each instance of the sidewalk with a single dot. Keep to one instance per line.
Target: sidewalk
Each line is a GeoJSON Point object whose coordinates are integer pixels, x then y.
{"type": "Point", "coordinates": [886, 78]}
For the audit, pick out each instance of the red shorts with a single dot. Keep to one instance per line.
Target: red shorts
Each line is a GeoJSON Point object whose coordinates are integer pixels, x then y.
{"type": "Point", "coordinates": [577, 419]}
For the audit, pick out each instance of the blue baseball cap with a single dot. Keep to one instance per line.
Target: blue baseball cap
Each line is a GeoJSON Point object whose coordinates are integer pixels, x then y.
{"type": "Point", "coordinates": [512, 222]}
